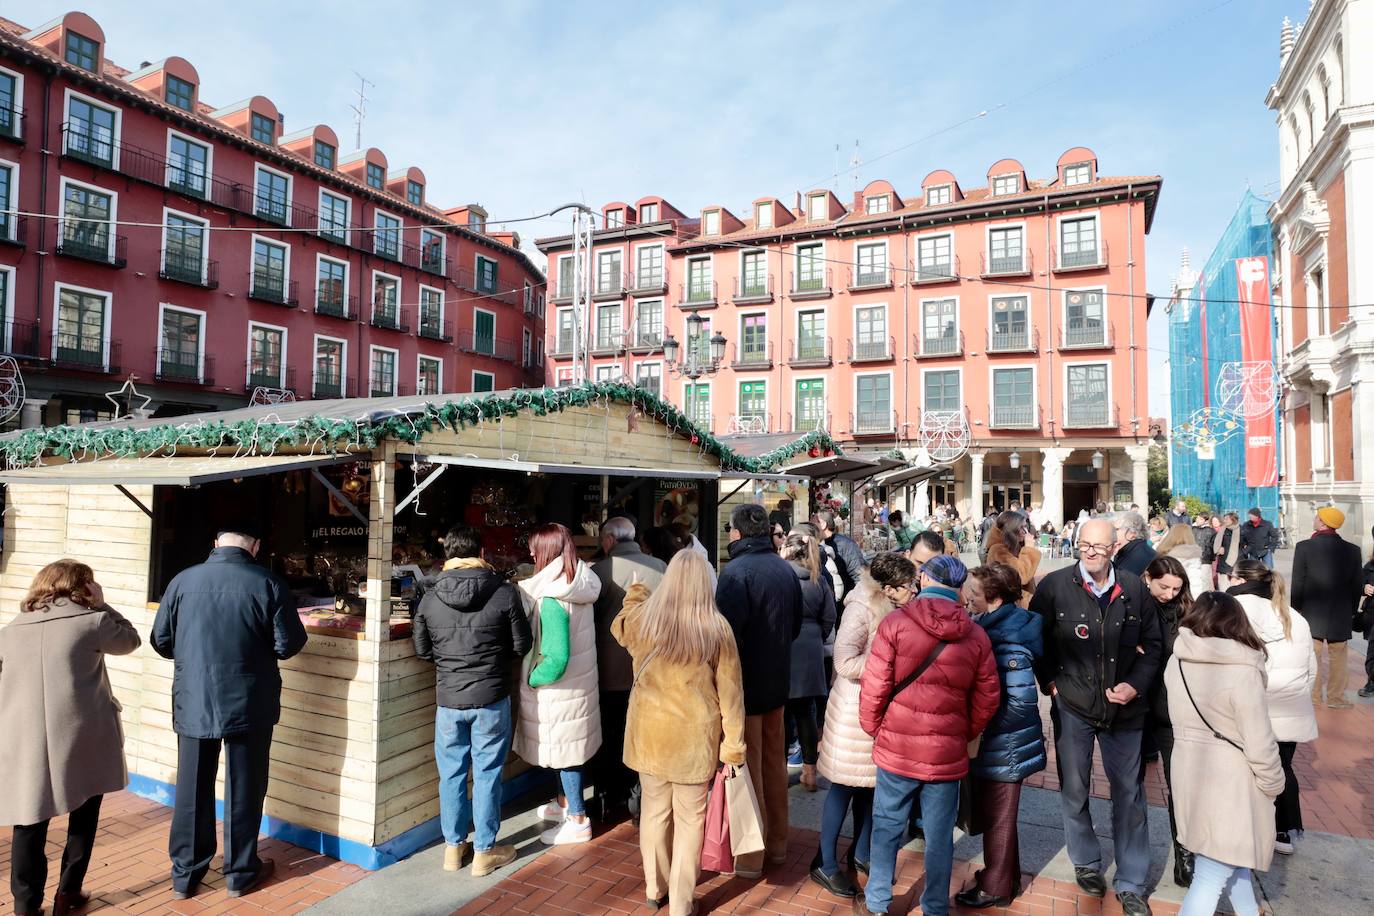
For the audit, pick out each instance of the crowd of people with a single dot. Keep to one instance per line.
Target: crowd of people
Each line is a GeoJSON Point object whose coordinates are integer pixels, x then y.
{"type": "Point", "coordinates": [910, 683]}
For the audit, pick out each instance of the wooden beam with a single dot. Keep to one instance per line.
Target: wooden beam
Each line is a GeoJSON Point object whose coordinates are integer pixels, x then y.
{"type": "Point", "coordinates": [134, 499]}
{"type": "Point", "coordinates": [338, 495]}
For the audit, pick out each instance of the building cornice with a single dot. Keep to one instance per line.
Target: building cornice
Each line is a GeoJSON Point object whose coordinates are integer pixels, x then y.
{"type": "Point", "coordinates": [1318, 20]}
{"type": "Point", "coordinates": [1333, 142]}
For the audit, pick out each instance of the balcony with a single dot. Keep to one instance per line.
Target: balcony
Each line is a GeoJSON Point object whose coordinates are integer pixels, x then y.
{"type": "Point", "coordinates": [610, 287]}
{"type": "Point", "coordinates": [273, 289]}
{"type": "Point", "coordinates": [468, 279]}
{"type": "Point", "coordinates": [434, 329]}
{"type": "Point", "coordinates": [873, 422]}
{"type": "Point", "coordinates": [1014, 416]}
{"type": "Point", "coordinates": [935, 272]}
{"type": "Point", "coordinates": [562, 348]}
{"type": "Point", "coordinates": [1087, 335]}
{"type": "Point", "coordinates": [187, 267]}
{"type": "Point", "coordinates": [753, 290]}
{"type": "Point", "coordinates": [333, 304]}
{"type": "Point", "coordinates": [1079, 258]}
{"type": "Point", "coordinates": [20, 338]}
{"type": "Point", "coordinates": [563, 295]}
{"type": "Point", "coordinates": [156, 169]}
{"type": "Point", "coordinates": [866, 278]}
{"type": "Point", "coordinates": [645, 341]}
{"type": "Point", "coordinates": [809, 421]}
{"type": "Point", "coordinates": [13, 230]}
{"type": "Point", "coordinates": [810, 353]}
{"type": "Point", "coordinates": [267, 377]}
{"type": "Point", "coordinates": [871, 351]}
{"type": "Point", "coordinates": [432, 261]}
{"type": "Point", "coordinates": [750, 422]}
{"type": "Point", "coordinates": [948, 344]}
{"type": "Point", "coordinates": [608, 343]}
{"type": "Point", "coordinates": [811, 284]}
{"type": "Point", "coordinates": [1091, 416]}
{"type": "Point", "coordinates": [271, 208]}
{"type": "Point", "coordinates": [382, 387]}
{"type": "Point", "coordinates": [388, 317]}
{"type": "Point", "coordinates": [78, 142]}
{"type": "Point", "coordinates": [469, 341]}
{"type": "Point", "coordinates": [649, 283]}
{"type": "Point", "coordinates": [1015, 339]}
{"type": "Point", "coordinates": [177, 366]}
{"type": "Point", "coordinates": [1018, 264]}
{"type": "Point", "coordinates": [95, 247]}
{"type": "Point", "coordinates": [697, 295]}
{"type": "Point", "coordinates": [12, 124]}
{"type": "Point", "coordinates": [753, 358]}
{"type": "Point", "coordinates": [329, 389]}
{"type": "Point", "coordinates": [71, 351]}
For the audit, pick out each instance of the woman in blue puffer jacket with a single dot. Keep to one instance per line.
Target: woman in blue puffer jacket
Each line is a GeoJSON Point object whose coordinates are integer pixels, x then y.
{"type": "Point", "coordinates": [1013, 744]}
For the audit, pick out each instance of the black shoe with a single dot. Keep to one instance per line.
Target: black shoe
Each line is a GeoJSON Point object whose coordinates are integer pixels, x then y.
{"type": "Point", "coordinates": [1367, 690]}
{"type": "Point", "coordinates": [837, 884]}
{"type": "Point", "coordinates": [264, 874]}
{"type": "Point", "coordinates": [186, 894]}
{"type": "Point", "coordinates": [1183, 866]}
{"type": "Point", "coordinates": [657, 904]}
{"type": "Point", "coordinates": [854, 864]}
{"type": "Point", "coordinates": [975, 899]}
{"type": "Point", "coordinates": [1090, 879]}
{"type": "Point", "coordinates": [1133, 904]}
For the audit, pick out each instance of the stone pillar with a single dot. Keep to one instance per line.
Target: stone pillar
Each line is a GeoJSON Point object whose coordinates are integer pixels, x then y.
{"type": "Point", "coordinates": [1321, 460]}
{"type": "Point", "coordinates": [31, 413]}
{"type": "Point", "coordinates": [974, 502]}
{"type": "Point", "coordinates": [1052, 484]}
{"type": "Point", "coordinates": [1140, 476]}
{"type": "Point", "coordinates": [920, 505]}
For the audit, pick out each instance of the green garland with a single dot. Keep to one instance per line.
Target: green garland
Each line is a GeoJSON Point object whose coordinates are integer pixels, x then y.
{"type": "Point", "coordinates": [331, 434]}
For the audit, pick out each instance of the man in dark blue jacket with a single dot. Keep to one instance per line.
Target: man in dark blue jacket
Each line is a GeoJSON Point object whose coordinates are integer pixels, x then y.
{"type": "Point", "coordinates": [225, 623]}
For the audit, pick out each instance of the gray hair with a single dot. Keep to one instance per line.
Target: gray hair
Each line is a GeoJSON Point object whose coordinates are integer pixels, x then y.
{"type": "Point", "coordinates": [618, 528]}
{"type": "Point", "coordinates": [1133, 524]}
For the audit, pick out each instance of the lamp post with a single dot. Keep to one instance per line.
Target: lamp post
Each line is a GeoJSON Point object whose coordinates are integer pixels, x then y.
{"type": "Point", "coordinates": [694, 363]}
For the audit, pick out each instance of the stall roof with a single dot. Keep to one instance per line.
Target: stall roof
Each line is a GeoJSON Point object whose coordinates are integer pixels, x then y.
{"type": "Point", "coordinates": [908, 476]}
{"type": "Point", "coordinates": [544, 467]}
{"type": "Point", "coordinates": [176, 471]}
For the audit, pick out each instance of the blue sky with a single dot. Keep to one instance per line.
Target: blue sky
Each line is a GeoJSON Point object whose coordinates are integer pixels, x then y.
{"type": "Point", "coordinates": [524, 105]}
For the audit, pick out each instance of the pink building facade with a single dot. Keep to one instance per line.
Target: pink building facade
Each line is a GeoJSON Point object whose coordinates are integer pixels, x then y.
{"type": "Point", "coordinates": [1009, 313]}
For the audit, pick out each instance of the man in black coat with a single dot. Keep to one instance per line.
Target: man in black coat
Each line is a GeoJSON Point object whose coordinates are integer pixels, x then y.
{"type": "Point", "coordinates": [225, 623]}
{"type": "Point", "coordinates": [848, 557]}
{"type": "Point", "coordinates": [472, 625]}
{"type": "Point", "coordinates": [760, 595]}
{"type": "Point", "coordinates": [1258, 539]}
{"type": "Point", "coordinates": [1328, 583]}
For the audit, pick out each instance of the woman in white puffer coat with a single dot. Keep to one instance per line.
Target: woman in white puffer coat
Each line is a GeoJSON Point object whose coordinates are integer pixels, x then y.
{"type": "Point", "coordinates": [1291, 668]}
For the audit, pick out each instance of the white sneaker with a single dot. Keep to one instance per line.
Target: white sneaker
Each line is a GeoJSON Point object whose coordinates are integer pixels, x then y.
{"type": "Point", "coordinates": [1283, 844]}
{"type": "Point", "coordinates": [568, 833]}
{"type": "Point", "coordinates": [553, 812]}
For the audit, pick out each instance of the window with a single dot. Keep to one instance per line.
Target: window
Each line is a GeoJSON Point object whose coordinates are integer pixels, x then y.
{"type": "Point", "coordinates": [563, 377]}
{"type": "Point", "coordinates": [483, 331]}
{"type": "Point", "coordinates": [486, 275]}
{"type": "Point", "coordinates": [86, 215]}
{"type": "Point", "coordinates": [9, 105]}
{"type": "Point", "coordinates": [939, 327]}
{"type": "Point", "coordinates": [1084, 324]}
{"type": "Point", "coordinates": [810, 405]}
{"type": "Point", "coordinates": [649, 376]}
{"type": "Point", "coordinates": [565, 277]}
{"type": "Point", "coordinates": [324, 154]}
{"type": "Point", "coordinates": [477, 222]}
{"type": "Point", "coordinates": [263, 129]}
{"type": "Point", "coordinates": [1085, 394]}
{"type": "Point", "coordinates": [81, 327]}
{"type": "Point", "coordinates": [700, 287]}
{"type": "Point", "coordinates": [698, 402]}
{"type": "Point", "coordinates": [870, 323]}
{"type": "Point", "coordinates": [376, 176]}
{"type": "Point", "coordinates": [753, 348]}
{"type": "Point", "coordinates": [179, 349]}
{"type": "Point", "coordinates": [329, 367]}
{"type": "Point", "coordinates": [810, 272]}
{"type": "Point", "coordinates": [873, 398]}
{"type": "Point", "coordinates": [753, 279]}
{"type": "Point", "coordinates": [386, 300]}
{"type": "Point", "coordinates": [333, 216]}
{"type": "Point", "coordinates": [615, 219]}
{"type": "Point", "coordinates": [649, 267]}
{"type": "Point", "coordinates": [188, 165]}
{"type": "Point", "coordinates": [763, 215]}
{"type": "Point", "coordinates": [1010, 324]}
{"type": "Point", "coordinates": [1005, 184]}
{"type": "Point", "coordinates": [431, 313]}
{"type": "Point", "coordinates": [942, 391]}
{"type": "Point", "coordinates": [331, 285]}
{"type": "Point", "coordinates": [1078, 173]}
{"type": "Point", "coordinates": [415, 192]}
{"type": "Point", "coordinates": [816, 207]}
{"type": "Point", "coordinates": [428, 372]}
{"type": "Point", "coordinates": [608, 272]}
{"type": "Point", "coordinates": [526, 348]}
{"type": "Point", "coordinates": [1005, 250]}
{"type": "Point", "coordinates": [269, 271]}
{"type": "Point", "coordinates": [609, 328]}
{"type": "Point", "coordinates": [935, 257]}
{"type": "Point", "coordinates": [880, 203]}
{"type": "Point", "coordinates": [940, 194]}
{"type": "Point", "coordinates": [7, 184]}
{"type": "Point", "coordinates": [711, 222]}
{"type": "Point", "coordinates": [564, 344]}
{"type": "Point", "coordinates": [753, 402]}
{"type": "Point", "coordinates": [1317, 296]}
{"type": "Point", "coordinates": [432, 251]}
{"type": "Point", "coordinates": [6, 310]}
{"type": "Point", "coordinates": [184, 257]}
{"type": "Point", "coordinates": [648, 213]}
{"type": "Point", "coordinates": [265, 347]}
{"type": "Point", "coordinates": [82, 51]}
{"type": "Point", "coordinates": [811, 340]}
{"type": "Point", "coordinates": [1078, 242]}
{"type": "Point", "coordinates": [610, 373]}
{"type": "Point", "coordinates": [386, 241]}
{"type": "Point", "coordinates": [91, 132]}
{"type": "Point", "coordinates": [1013, 398]}
{"type": "Point", "coordinates": [485, 381]}
{"type": "Point", "coordinates": [273, 196]}
{"type": "Point", "coordinates": [382, 378]}
{"type": "Point", "coordinates": [180, 93]}
{"type": "Point", "coordinates": [649, 323]}
{"type": "Point", "coordinates": [872, 265]}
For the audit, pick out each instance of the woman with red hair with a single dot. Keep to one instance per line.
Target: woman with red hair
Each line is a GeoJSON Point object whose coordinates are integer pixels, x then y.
{"type": "Point", "coordinates": [559, 725]}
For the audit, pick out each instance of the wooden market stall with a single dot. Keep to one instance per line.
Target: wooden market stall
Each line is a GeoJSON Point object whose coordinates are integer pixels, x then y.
{"type": "Point", "coordinates": [345, 489]}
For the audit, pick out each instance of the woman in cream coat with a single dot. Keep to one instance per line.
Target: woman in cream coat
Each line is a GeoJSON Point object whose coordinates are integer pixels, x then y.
{"type": "Point", "coordinates": [1225, 761]}
{"type": "Point", "coordinates": [846, 754]}
{"type": "Point", "coordinates": [1291, 667]}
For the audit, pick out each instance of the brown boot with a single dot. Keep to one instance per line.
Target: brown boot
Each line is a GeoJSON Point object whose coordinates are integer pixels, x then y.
{"type": "Point", "coordinates": [456, 856]}
{"type": "Point", "coordinates": [65, 903]}
{"type": "Point", "coordinates": [484, 863]}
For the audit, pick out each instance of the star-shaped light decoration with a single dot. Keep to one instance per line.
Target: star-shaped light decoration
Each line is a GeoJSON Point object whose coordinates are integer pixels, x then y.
{"type": "Point", "coordinates": [123, 398]}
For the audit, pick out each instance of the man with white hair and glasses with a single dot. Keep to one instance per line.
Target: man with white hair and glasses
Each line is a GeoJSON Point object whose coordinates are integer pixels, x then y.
{"type": "Point", "coordinates": [1133, 550]}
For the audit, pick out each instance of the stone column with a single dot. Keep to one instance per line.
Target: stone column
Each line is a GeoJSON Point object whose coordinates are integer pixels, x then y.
{"type": "Point", "coordinates": [1321, 460]}
{"type": "Point", "coordinates": [31, 413]}
{"type": "Point", "coordinates": [1052, 484]}
{"type": "Point", "coordinates": [974, 503]}
{"type": "Point", "coordinates": [920, 505]}
{"type": "Point", "coordinates": [1140, 476]}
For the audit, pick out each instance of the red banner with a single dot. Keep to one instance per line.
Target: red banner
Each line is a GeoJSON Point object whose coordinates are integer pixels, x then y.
{"type": "Point", "coordinates": [1257, 353]}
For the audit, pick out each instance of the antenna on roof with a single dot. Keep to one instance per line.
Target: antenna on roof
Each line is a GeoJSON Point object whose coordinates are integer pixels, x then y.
{"type": "Point", "coordinates": [835, 178]}
{"type": "Point", "coordinates": [854, 164]}
{"type": "Point", "coordinates": [360, 109]}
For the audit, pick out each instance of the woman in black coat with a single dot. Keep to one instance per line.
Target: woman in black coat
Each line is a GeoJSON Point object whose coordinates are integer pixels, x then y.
{"type": "Point", "coordinates": [808, 649]}
{"type": "Point", "coordinates": [1367, 618]}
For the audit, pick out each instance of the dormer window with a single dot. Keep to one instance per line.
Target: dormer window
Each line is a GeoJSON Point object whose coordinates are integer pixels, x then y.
{"type": "Point", "coordinates": [1005, 184]}
{"type": "Point", "coordinates": [376, 176]}
{"type": "Point", "coordinates": [816, 207]}
{"type": "Point", "coordinates": [415, 193]}
{"type": "Point", "coordinates": [180, 93]}
{"type": "Point", "coordinates": [476, 222]}
{"type": "Point", "coordinates": [880, 203]}
{"type": "Point", "coordinates": [648, 213]}
{"type": "Point", "coordinates": [615, 219]}
{"type": "Point", "coordinates": [940, 194]}
{"type": "Point", "coordinates": [763, 215]}
{"type": "Point", "coordinates": [1078, 173]}
{"type": "Point", "coordinates": [324, 155]}
{"type": "Point", "coordinates": [263, 129]}
{"type": "Point", "coordinates": [82, 51]}
{"type": "Point", "coordinates": [710, 221]}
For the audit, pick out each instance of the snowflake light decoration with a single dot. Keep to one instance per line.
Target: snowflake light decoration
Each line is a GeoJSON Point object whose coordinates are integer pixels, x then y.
{"type": "Point", "coordinates": [1248, 389]}
{"type": "Point", "coordinates": [262, 395]}
{"type": "Point", "coordinates": [1207, 426]}
{"type": "Point", "coordinates": [944, 434]}
{"type": "Point", "coordinates": [11, 388]}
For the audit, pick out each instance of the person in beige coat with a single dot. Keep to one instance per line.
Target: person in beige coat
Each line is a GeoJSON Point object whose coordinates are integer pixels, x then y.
{"type": "Point", "coordinates": [61, 741]}
{"type": "Point", "coordinates": [1012, 541]}
{"type": "Point", "coordinates": [1226, 769]}
{"type": "Point", "coordinates": [846, 754]}
{"type": "Point", "coordinates": [686, 717]}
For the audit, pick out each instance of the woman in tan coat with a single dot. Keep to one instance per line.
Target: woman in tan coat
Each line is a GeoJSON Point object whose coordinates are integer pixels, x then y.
{"type": "Point", "coordinates": [61, 741]}
{"type": "Point", "coordinates": [1012, 541]}
{"type": "Point", "coordinates": [686, 716]}
{"type": "Point", "coordinates": [1226, 769]}
{"type": "Point", "coordinates": [846, 757]}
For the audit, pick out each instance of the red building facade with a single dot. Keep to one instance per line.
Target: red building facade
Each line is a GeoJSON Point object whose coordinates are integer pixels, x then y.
{"type": "Point", "coordinates": [209, 252]}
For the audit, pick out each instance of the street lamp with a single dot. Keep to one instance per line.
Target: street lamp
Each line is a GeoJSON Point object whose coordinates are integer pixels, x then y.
{"type": "Point", "coordinates": [694, 362]}
{"type": "Point", "coordinates": [1014, 459]}
{"type": "Point", "coordinates": [1098, 458]}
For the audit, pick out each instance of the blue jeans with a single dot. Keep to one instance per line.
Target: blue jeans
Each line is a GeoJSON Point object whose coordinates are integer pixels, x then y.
{"type": "Point", "coordinates": [571, 781]}
{"type": "Point", "coordinates": [1210, 880]}
{"type": "Point", "coordinates": [1268, 560]}
{"type": "Point", "coordinates": [892, 801]}
{"type": "Point", "coordinates": [477, 740]}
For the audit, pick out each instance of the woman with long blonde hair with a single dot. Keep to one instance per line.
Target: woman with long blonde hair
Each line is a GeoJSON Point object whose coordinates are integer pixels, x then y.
{"type": "Point", "coordinates": [686, 716]}
{"type": "Point", "coordinates": [807, 688]}
{"type": "Point", "coordinates": [1180, 544]}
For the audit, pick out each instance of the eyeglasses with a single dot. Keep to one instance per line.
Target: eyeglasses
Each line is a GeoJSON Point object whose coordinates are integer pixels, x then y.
{"type": "Point", "coordinates": [1100, 549]}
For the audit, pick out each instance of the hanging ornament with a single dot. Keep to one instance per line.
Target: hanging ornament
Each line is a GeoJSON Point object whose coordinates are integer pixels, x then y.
{"type": "Point", "coordinates": [1248, 389]}
{"type": "Point", "coordinates": [262, 395]}
{"type": "Point", "coordinates": [814, 452]}
{"type": "Point", "coordinates": [123, 398]}
{"type": "Point", "coordinates": [11, 388]}
{"type": "Point", "coordinates": [944, 434]}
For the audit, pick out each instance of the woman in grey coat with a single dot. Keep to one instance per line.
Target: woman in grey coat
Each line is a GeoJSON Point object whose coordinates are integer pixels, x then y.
{"type": "Point", "coordinates": [63, 746]}
{"type": "Point", "coordinates": [808, 649]}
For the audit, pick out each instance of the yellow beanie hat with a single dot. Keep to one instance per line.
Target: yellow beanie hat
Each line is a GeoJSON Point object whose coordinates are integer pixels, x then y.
{"type": "Point", "coordinates": [1331, 516]}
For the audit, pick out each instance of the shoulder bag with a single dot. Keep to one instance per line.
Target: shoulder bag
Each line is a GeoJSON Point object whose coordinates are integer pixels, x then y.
{"type": "Point", "coordinates": [910, 679]}
{"type": "Point", "coordinates": [1215, 733]}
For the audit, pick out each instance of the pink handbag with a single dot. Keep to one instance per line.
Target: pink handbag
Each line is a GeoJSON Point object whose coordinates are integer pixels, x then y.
{"type": "Point", "coordinates": [715, 848]}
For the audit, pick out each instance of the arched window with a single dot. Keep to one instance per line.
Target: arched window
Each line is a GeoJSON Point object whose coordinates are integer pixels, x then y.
{"type": "Point", "coordinates": [1338, 77]}
{"type": "Point", "coordinates": [1297, 140]}
{"type": "Point", "coordinates": [1325, 82]}
{"type": "Point", "coordinates": [1311, 124]}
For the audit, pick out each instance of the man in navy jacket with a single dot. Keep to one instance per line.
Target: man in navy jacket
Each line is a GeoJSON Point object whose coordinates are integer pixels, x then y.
{"type": "Point", "coordinates": [225, 623]}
